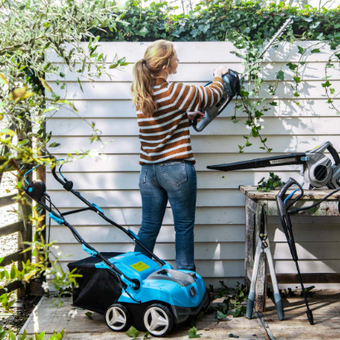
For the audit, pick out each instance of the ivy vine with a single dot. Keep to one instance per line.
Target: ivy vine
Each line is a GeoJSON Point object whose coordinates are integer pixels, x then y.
{"type": "Point", "coordinates": [248, 25]}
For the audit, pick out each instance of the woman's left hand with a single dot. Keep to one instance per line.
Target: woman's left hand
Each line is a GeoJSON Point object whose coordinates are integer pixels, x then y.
{"type": "Point", "coordinates": [193, 114]}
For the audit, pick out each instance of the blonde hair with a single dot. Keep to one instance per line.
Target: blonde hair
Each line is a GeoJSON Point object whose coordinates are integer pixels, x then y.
{"type": "Point", "coordinates": [156, 56]}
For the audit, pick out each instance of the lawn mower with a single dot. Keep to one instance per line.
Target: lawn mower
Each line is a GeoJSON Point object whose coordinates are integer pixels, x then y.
{"type": "Point", "coordinates": [231, 87]}
{"type": "Point", "coordinates": [128, 288]}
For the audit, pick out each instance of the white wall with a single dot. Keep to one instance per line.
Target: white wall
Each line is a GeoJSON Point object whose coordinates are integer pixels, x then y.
{"type": "Point", "coordinates": [220, 221]}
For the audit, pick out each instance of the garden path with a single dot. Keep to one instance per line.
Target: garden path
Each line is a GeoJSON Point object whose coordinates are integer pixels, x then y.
{"type": "Point", "coordinates": [325, 306]}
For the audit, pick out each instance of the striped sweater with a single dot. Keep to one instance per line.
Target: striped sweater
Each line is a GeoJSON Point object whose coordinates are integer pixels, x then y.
{"type": "Point", "coordinates": [165, 136]}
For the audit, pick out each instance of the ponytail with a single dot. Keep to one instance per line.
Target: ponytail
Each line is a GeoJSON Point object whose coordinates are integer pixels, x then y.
{"type": "Point", "coordinates": [145, 71]}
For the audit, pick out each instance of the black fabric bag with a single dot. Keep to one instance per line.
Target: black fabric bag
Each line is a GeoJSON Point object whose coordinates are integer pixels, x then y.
{"type": "Point", "coordinates": [98, 288]}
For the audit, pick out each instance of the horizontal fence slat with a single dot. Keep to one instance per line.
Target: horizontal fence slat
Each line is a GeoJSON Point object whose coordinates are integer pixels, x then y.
{"type": "Point", "coordinates": [191, 72]}
{"type": "Point", "coordinates": [310, 126]}
{"type": "Point", "coordinates": [11, 228]}
{"type": "Point", "coordinates": [211, 51]}
{"type": "Point", "coordinates": [208, 179]}
{"type": "Point", "coordinates": [129, 163]}
{"type": "Point", "coordinates": [307, 266]}
{"type": "Point", "coordinates": [123, 109]}
{"type": "Point", "coordinates": [132, 198]}
{"type": "Point", "coordinates": [217, 234]}
{"type": "Point", "coordinates": [17, 256]}
{"type": "Point", "coordinates": [133, 216]}
{"type": "Point", "coordinates": [306, 278]}
{"type": "Point", "coordinates": [103, 91]}
{"type": "Point", "coordinates": [7, 200]}
{"type": "Point", "coordinates": [121, 145]}
{"type": "Point", "coordinates": [11, 286]}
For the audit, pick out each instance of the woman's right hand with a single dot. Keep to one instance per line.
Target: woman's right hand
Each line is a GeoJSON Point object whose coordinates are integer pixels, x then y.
{"type": "Point", "coordinates": [221, 71]}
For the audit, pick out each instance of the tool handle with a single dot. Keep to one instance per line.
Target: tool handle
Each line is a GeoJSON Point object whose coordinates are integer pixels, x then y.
{"type": "Point", "coordinates": [279, 306]}
{"type": "Point", "coordinates": [291, 181]}
{"type": "Point", "coordinates": [250, 305]}
{"type": "Point", "coordinates": [334, 154]}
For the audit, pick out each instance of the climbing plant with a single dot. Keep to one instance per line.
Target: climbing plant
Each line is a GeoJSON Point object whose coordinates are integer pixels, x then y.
{"type": "Point", "coordinates": [248, 24]}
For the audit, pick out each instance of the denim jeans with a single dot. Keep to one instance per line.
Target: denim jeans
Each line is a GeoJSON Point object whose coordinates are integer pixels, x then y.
{"type": "Point", "coordinates": [174, 181]}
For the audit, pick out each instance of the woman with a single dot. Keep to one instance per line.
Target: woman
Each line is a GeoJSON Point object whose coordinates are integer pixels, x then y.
{"type": "Point", "coordinates": [164, 112]}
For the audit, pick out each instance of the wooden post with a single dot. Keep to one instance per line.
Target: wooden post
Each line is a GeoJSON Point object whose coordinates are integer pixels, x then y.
{"type": "Point", "coordinates": [25, 235]}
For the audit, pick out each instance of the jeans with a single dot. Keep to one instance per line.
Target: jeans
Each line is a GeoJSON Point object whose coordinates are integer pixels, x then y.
{"type": "Point", "coordinates": [174, 181]}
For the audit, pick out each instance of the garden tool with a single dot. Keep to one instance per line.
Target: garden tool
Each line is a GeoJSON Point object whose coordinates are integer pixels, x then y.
{"type": "Point", "coordinates": [264, 247]}
{"type": "Point", "coordinates": [283, 213]}
{"type": "Point", "coordinates": [318, 169]}
{"type": "Point", "coordinates": [232, 87]}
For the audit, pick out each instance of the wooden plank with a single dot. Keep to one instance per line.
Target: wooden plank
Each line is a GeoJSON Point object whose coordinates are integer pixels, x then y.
{"type": "Point", "coordinates": [130, 162]}
{"type": "Point", "coordinates": [121, 108]}
{"type": "Point", "coordinates": [310, 266]}
{"type": "Point", "coordinates": [17, 256]}
{"type": "Point", "coordinates": [217, 234]}
{"type": "Point", "coordinates": [307, 250]}
{"type": "Point", "coordinates": [188, 51]}
{"type": "Point", "coordinates": [133, 216]}
{"type": "Point", "coordinates": [307, 278]}
{"type": "Point", "coordinates": [207, 269]}
{"type": "Point", "coordinates": [210, 51]}
{"type": "Point", "coordinates": [11, 228]}
{"type": "Point", "coordinates": [203, 251]}
{"type": "Point", "coordinates": [129, 180]}
{"type": "Point", "coordinates": [191, 72]}
{"type": "Point", "coordinates": [316, 194]}
{"type": "Point", "coordinates": [7, 200]}
{"type": "Point", "coordinates": [110, 90]}
{"type": "Point", "coordinates": [12, 286]}
{"type": "Point", "coordinates": [117, 145]}
{"type": "Point", "coordinates": [271, 127]}
{"type": "Point", "coordinates": [309, 231]}
{"type": "Point", "coordinates": [132, 198]}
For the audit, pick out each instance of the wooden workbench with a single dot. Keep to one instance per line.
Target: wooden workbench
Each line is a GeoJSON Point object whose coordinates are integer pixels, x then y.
{"type": "Point", "coordinates": [254, 202]}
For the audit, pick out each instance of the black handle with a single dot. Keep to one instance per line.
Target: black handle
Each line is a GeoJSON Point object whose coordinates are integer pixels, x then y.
{"type": "Point", "coordinates": [291, 181]}
{"type": "Point", "coordinates": [334, 154]}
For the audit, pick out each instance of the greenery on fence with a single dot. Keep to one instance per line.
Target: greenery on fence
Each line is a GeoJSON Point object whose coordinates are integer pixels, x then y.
{"type": "Point", "coordinates": [248, 25]}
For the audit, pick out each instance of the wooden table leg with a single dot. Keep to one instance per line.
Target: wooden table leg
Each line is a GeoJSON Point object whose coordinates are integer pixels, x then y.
{"type": "Point", "coordinates": [261, 285]}
{"type": "Point", "coordinates": [249, 244]}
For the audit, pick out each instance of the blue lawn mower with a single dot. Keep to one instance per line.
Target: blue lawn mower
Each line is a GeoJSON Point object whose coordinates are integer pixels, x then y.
{"type": "Point", "coordinates": [128, 288]}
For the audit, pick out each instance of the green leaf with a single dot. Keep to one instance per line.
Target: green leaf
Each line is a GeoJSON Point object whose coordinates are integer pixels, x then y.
{"type": "Point", "coordinates": [64, 101]}
{"type": "Point", "coordinates": [292, 66]}
{"type": "Point", "coordinates": [89, 315]}
{"type": "Point", "coordinates": [192, 333]}
{"type": "Point", "coordinates": [326, 84]}
{"type": "Point", "coordinates": [316, 50]}
{"type": "Point", "coordinates": [54, 145]}
{"type": "Point", "coordinates": [297, 79]}
{"type": "Point", "coordinates": [280, 75]}
{"type": "Point", "coordinates": [332, 91]}
{"type": "Point", "coordinates": [301, 49]}
{"type": "Point", "coordinates": [132, 332]}
{"type": "Point", "coordinates": [221, 316]}
{"type": "Point", "coordinates": [13, 271]}
{"type": "Point", "coordinates": [143, 32]}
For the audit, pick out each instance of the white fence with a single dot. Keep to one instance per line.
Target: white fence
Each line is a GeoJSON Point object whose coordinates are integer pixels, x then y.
{"type": "Point", "coordinates": [220, 221]}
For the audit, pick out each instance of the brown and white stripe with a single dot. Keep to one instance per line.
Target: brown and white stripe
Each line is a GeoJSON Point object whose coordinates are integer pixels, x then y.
{"type": "Point", "coordinates": [165, 136]}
